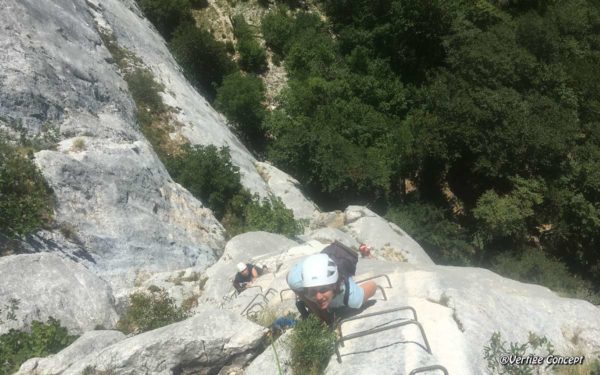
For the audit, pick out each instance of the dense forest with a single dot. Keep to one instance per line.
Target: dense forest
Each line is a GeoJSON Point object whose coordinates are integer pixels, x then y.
{"type": "Point", "coordinates": [474, 124]}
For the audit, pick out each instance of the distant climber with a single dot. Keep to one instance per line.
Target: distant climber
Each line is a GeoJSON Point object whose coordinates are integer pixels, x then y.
{"type": "Point", "coordinates": [246, 274]}
{"type": "Point", "coordinates": [365, 251]}
{"type": "Point", "coordinates": [324, 289]}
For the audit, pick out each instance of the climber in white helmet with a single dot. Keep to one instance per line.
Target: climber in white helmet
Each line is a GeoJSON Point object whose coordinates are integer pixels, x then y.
{"type": "Point", "coordinates": [247, 273]}
{"type": "Point", "coordinates": [322, 288]}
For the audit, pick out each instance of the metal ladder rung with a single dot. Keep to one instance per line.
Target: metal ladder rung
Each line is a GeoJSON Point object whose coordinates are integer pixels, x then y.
{"type": "Point", "coordinates": [429, 368]}
{"type": "Point", "coordinates": [380, 329]}
{"type": "Point", "coordinates": [375, 277]}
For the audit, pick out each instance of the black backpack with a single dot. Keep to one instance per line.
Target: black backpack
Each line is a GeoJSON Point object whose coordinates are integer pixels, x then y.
{"type": "Point", "coordinates": [345, 259]}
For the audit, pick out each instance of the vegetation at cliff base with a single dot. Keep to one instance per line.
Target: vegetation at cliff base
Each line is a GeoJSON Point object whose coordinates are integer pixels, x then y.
{"type": "Point", "coordinates": [41, 340]}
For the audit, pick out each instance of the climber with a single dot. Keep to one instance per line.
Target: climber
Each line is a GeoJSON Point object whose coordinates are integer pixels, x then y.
{"type": "Point", "coordinates": [323, 290]}
{"type": "Point", "coordinates": [246, 274]}
{"type": "Point", "coordinates": [365, 251]}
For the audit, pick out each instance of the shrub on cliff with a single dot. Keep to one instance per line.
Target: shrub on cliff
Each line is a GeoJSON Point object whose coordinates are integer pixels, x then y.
{"type": "Point", "coordinates": [148, 311]}
{"type": "Point", "coordinates": [25, 198]}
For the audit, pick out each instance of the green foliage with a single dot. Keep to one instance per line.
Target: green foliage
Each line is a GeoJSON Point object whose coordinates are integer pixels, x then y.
{"type": "Point", "coordinates": [253, 57]}
{"type": "Point", "coordinates": [204, 60]}
{"type": "Point", "coordinates": [150, 109]}
{"type": "Point", "coordinates": [268, 214]}
{"type": "Point", "coordinates": [535, 266]}
{"type": "Point", "coordinates": [506, 216]}
{"type": "Point", "coordinates": [312, 344]}
{"type": "Point", "coordinates": [25, 198]}
{"type": "Point", "coordinates": [145, 92]}
{"type": "Point", "coordinates": [208, 174]}
{"type": "Point", "coordinates": [44, 339]}
{"type": "Point", "coordinates": [148, 311]}
{"type": "Point", "coordinates": [497, 349]}
{"type": "Point", "coordinates": [240, 98]}
{"type": "Point", "coordinates": [276, 27]}
{"type": "Point", "coordinates": [166, 15]}
{"type": "Point", "coordinates": [444, 240]}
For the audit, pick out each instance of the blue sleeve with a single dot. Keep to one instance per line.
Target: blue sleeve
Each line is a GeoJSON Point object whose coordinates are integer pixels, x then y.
{"type": "Point", "coordinates": [294, 277]}
{"type": "Point", "coordinates": [356, 296]}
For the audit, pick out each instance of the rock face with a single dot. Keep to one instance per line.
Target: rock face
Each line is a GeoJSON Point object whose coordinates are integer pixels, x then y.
{"type": "Point", "coordinates": [88, 343]}
{"type": "Point", "coordinates": [201, 344]}
{"type": "Point", "coordinates": [287, 188]}
{"type": "Point", "coordinates": [111, 189]}
{"type": "Point", "coordinates": [199, 122]}
{"type": "Point", "coordinates": [127, 211]}
{"type": "Point", "coordinates": [266, 362]}
{"type": "Point", "coordinates": [39, 286]}
{"type": "Point", "coordinates": [387, 239]}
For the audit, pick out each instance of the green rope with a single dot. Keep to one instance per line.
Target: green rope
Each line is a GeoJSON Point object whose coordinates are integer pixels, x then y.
{"type": "Point", "coordinates": [276, 356]}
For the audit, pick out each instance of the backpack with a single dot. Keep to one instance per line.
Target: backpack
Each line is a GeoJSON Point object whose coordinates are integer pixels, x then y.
{"type": "Point", "coordinates": [345, 259]}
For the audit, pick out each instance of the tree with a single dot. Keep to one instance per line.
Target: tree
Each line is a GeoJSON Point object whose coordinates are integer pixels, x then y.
{"type": "Point", "coordinates": [277, 29]}
{"type": "Point", "coordinates": [167, 15]}
{"type": "Point", "coordinates": [240, 98]}
{"type": "Point", "coordinates": [208, 174]}
{"type": "Point", "coordinates": [253, 57]}
{"type": "Point", "coordinates": [203, 59]}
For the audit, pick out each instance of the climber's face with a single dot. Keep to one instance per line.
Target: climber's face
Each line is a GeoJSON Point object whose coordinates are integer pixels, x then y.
{"type": "Point", "coordinates": [322, 295]}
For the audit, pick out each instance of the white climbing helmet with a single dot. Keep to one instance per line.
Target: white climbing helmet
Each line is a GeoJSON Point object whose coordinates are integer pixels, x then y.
{"type": "Point", "coordinates": [241, 266]}
{"type": "Point", "coordinates": [318, 270]}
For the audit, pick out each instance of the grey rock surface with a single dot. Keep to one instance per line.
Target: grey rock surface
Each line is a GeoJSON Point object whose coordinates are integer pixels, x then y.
{"type": "Point", "coordinates": [40, 286]}
{"type": "Point", "coordinates": [203, 344]}
{"type": "Point", "coordinates": [127, 211]}
{"type": "Point", "coordinates": [54, 69]}
{"type": "Point", "coordinates": [198, 121]}
{"type": "Point", "coordinates": [387, 239]}
{"type": "Point", "coordinates": [329, 235]}
{"type": "Point", "coordinates": [287, 188]}
{"type": "Point", "coordinates": [266, 362]}
{"type": "Point", "coordinates": [58, 78]}
{"type": "Point", "coordinates": [90, 342]}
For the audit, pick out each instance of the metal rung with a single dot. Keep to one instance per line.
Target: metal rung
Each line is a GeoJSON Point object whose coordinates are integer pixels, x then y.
{"type": "Point", "coordinates": [429, 368]}
{"type": "Point", "coordinates": [380, 329]}
{"type": "Point", "coordinates": [283, 291]}
{"type": "Point", "coordinates": [235, 293]}
{"type": "Point", "coordinates": [382, 292]}
{"type": "Point", "coordinates": [253, 299]}
{"type": "Point", "coordinates": [254, 286]}
{"type": "Point", "coordinates": [375, 277]}
{"type": "Point", "coordinates": [256, 304]}
{"type": "Point", "coordinates": [339, 326]}
{"type": "Point", "coordinates": [379, 313]}
{"type": "Point", "coordinates": [270, 290]}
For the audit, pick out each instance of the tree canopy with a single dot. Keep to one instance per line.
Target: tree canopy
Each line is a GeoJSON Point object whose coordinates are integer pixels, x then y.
{"type": "Point", "coordinates": [486, 113]}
